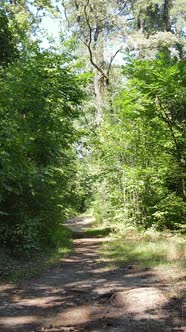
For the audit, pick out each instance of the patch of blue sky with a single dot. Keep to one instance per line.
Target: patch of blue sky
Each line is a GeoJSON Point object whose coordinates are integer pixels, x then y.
{"type": "Point", "coordinates": [51, 27]}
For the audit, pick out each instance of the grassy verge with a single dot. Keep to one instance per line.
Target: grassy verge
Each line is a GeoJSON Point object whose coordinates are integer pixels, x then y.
{"type": "Point", "coordinates": [15, 269]}
{"type": "Point", "coordinates": [98, 232]}
{"type": "Point", "coordinates": [164, 253]}
{"type": "Point", "coordinates": [147, 249]}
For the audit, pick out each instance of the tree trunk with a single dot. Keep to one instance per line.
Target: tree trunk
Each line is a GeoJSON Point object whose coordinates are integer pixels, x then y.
{"type": "Point", "coordinates": [99, 78]}
{"type": "Point", "coordinates": [166, 14]}
{"type": "Point", "coordinates": [99, 97]}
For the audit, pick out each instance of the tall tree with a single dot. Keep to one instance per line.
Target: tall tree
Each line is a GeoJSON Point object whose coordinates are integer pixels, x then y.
{"type": "Point", "coordinates": [40, 99]}
{"type": "Point", "coordinates": [97, 23]}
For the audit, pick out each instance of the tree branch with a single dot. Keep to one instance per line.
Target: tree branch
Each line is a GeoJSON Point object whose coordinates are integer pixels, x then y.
{"type": "Point", "coordinates": [65, 12]}
{"type": "Point", "coordinates": [122, 9]}
{"type": "Point", "coordinates": [88, 44]}
{"type": "Point", "coordinates": [88, 125]}
{"type": "Point", "coordinates": [166, 119]}
{"type": "Point", "coordinates": [112, 59]}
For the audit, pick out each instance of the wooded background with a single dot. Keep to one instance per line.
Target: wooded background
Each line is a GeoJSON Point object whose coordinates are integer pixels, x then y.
{"type": "Point", "coordinates": [97, 121]}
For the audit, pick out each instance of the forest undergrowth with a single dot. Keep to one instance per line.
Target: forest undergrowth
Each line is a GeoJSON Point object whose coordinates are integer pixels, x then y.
{"type": "Point", "coordinates": [23, 267]}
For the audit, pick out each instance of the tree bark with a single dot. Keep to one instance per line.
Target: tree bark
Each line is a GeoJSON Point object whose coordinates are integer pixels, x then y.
{"type": "Point", "coordinates": [166, 14]}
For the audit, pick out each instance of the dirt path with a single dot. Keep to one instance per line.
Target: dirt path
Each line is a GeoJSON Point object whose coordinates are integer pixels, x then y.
{"type": "Point", "coordinates": [82, 294]}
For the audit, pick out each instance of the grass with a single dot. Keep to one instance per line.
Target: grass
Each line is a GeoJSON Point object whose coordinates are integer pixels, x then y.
{"type": "Point", "coordinates": [146, 249]}
{"type": "Point", "coordinates": [15, 269]}
{"type": "Point", "coordinates": [163, 253]}
{"type": "Point", "coordinates": [98, 232]}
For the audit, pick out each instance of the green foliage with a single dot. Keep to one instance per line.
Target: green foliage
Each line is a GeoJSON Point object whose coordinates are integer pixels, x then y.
{"type": "Point", "coordinates": [171, 213]}
{"type": "Point", "coordinates": [133, 162]}
{"type": "Point", "coordinates": [40, 99]}
{"type": "Point", "coordinates": [8, 49]}
{"type": "Point", "coordinates": [141, 154]}
{"type": "Point", "coordinates": [17, 268]}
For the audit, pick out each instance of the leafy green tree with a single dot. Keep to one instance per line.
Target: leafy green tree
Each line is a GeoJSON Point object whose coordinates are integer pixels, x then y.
{"type": "Point", "coordinates": [141, 155]}
{"type": "Point", "coordinates": [97, 24]}
{"type": "Point", "coordinates": [40, 99]}
{"type": "Point", "coordinates": [8, 50]}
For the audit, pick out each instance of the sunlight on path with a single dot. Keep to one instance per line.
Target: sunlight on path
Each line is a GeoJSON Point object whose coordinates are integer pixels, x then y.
{"type": "Point", "coordinates": [81, 223]}
{"type": "Point", "coordinates": [84, 294]}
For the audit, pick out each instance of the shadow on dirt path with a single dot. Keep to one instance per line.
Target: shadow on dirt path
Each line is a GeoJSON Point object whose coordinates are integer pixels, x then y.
{"type": "Point", "coordinates": [83, 294]}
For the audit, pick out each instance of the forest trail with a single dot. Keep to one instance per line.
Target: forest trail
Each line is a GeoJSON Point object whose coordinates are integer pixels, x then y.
{"type": "Point", "coordinates": [82, 293]}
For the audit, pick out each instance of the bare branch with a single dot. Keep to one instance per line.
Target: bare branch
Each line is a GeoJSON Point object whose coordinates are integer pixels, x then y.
{"type": "Point", "coordinates": [112, 59]}
{"type": "Point", "coordinates": [88, 125]}
{"type": "Point", "coordinates": [122, 9]}
{"type": "Point", "coordinates": [76, 4]}
{"type": "Point", "coordinates": [88, 23]}
{"type": "Point", "coordinates": [65, 12]}
{"type": "Point", "coordinates": [88, 44]}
